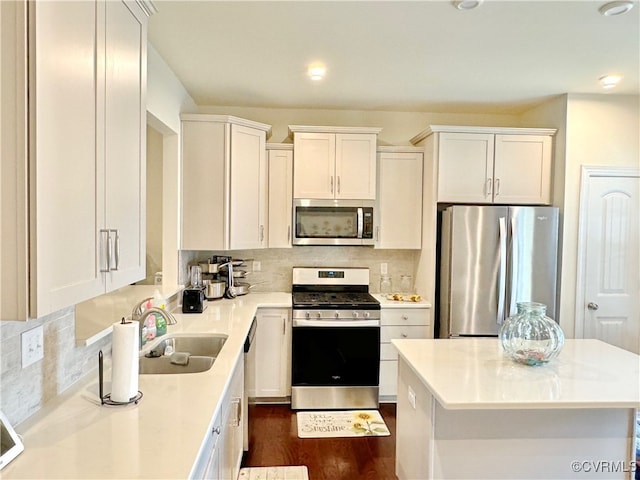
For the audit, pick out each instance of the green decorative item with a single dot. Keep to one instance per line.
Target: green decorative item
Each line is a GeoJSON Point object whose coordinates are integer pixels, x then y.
{"type": "Point", "coordinates": [529, 336]}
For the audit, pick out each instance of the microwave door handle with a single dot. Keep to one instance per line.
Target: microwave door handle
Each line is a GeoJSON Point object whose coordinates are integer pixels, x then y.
{"type": "Point", "coordinates": [360, 222]}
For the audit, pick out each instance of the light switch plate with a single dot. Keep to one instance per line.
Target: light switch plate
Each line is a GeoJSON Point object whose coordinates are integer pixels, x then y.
{"type": "Point", "coordinates": [32, 346]}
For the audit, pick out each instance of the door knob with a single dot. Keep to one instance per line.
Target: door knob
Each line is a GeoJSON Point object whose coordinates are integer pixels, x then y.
{"type": "Point", "coordinates": [592, 306]}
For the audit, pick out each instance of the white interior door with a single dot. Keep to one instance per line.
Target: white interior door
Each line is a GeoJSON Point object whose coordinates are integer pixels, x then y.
{"type": "Point", "coordinates": [610, 305]}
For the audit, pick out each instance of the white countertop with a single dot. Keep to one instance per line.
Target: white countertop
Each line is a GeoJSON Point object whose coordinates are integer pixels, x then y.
{"type": "Point", "coordinates": [474, 373]}
{"type": "Point", "coordinates": [75, 437]}
{"type": "Point", "coordinates": [386, 303]}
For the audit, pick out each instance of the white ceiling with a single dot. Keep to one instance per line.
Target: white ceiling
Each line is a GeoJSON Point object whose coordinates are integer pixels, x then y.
{"type": "Point", "coordinates": [423, 56]}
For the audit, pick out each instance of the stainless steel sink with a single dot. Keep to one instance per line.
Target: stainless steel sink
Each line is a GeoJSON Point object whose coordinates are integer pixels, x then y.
{"type": "Point", "coordinates": [202, 351]}
{"type": "Point", "coordinates": [161, 365]}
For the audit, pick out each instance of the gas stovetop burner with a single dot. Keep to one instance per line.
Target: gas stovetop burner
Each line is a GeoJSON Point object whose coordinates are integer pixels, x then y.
{"type": "Point", "coordinates": [334, 299]}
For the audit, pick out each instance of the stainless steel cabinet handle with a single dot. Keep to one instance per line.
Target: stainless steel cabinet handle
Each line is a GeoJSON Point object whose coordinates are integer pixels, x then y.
{"type": "Point", "coordinates": [106, 250]}
{"type": "Point", "coordinates": [487, 187]}
{"type": "Point", "coordinates": [116, 252]}
{"type": "Point", "coordinates": [405, 317]}
{"type": "Point", "coordinates": [216, 430]}
{"type": "Point", "coordinates": [497, 187]}
{"type": "Point", "coordinates": [593, 306]}
{"type": "Point", "coordinates": [338, 183]}
{"type": "Point", "coordinates": [288, 233]}
{"type": "Point", "coordinates": [377, 233]}
{"type": "Point", "coordinates": [261, 233]}
{"type": "Point", "coordinates": [404, 335]}
{"type": "Point", "coordinates": [331, 183]}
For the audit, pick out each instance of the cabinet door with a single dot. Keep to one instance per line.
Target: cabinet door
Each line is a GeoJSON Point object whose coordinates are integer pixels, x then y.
{"type": "Point", "coordinates": [522, 172]}
{"type": "Point", "coordinates": [14, 234]}
{"type": "Point", "coordinates": [66, 178]}
{"type": "Point", "coordinates": [248, 188]}
{"type": "Point", "coordinates": [399, 201]}
{"type": "Point", "coordinates": [280, 198]}
{"type": "Point", "coordinates": [203, 186]}
{"type": "Point", "coordinates": [314, 165]}
{"type": "Point", "coordinates": [125, 140]}
{"type": "Point", "coordinates": [270, 356]}
{"type": "Point", "coordinates": [355, 166]}
{"type": "Point", "coordinates": [465, 167]}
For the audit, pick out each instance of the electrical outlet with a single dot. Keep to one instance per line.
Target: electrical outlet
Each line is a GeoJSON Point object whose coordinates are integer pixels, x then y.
{"type": "Point", "coordinates": [257, 266]}
{"type": "Point", "coordinates": [32, 346]}
{"type": "Point", "coordinates": [383, 269]}
{"type": "Point", "coordinates": [412, 398]}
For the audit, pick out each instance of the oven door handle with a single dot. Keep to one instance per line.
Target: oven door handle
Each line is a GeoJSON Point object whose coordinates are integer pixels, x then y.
{"type": "Point", "coordinates": [360, 222]}
{"type": "Point", "coordinates": [302, 322]}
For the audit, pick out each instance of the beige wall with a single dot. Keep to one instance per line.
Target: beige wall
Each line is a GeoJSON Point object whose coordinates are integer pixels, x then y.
{"type": "Point", "coordinates": [397, 127]}
{"type": "Point", "coordinates": [599, 130]}
{"type": "Point", "coordinates": [154, 203]}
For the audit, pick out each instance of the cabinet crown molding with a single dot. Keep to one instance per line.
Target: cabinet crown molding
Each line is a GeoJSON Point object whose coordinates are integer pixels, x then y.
{"type": "Point", "coordinates": [148, 6]}
{"type": "Point", "coordinates": [320, 129]}
{"type": "Point", "coordinates": [431, 129]}
{"type": "Point", "coordinates": [204, 117]}
{"type": "Point", "coordinates": [279, 146]}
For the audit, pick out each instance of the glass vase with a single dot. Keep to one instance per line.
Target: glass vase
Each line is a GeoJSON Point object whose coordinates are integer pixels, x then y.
{"type": "Point", "coordinates": [529, 336]}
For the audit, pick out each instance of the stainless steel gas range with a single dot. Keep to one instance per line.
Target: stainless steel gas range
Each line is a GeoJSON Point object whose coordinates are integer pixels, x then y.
{"type": "Point", "coordinates": [336, 339]}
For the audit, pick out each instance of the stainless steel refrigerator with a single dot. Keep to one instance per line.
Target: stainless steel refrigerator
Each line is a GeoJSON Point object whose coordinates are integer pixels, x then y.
{"type": "Point", "coordinates": [491, 258]}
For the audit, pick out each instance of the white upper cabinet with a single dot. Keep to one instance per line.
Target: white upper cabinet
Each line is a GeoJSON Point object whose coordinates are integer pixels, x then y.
{"type": "Point", "coordinates": [280, 167]}
{"type": "Point", "coordinates": [85, 118]}
{"type": "Point", "coordinates": [334, 162]}
{"type": "Point", "coordinates": [492, 165]}
{"type": "Point", "coordinates": [224, 183]}
{"type": "Point", "coordinates": [125, 140]}
{"type": "Point", "coordinates": [399, 200]}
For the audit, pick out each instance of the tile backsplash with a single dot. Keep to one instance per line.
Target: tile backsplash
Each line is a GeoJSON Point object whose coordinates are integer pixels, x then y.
{"type": "Point", "coordinates": [23, 391]}
{"type": "Point", "coordinates": [276, 264]}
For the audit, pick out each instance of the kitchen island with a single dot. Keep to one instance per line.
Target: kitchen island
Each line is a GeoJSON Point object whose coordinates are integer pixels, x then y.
{"type": "Point", "coordinates": [467, 411]}
{"type": "Point", "coordinates": [163, 435]}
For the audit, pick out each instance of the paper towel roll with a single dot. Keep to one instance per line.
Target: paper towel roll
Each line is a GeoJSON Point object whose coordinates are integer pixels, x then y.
{"type": "Point", "coordinates": [124, 352]}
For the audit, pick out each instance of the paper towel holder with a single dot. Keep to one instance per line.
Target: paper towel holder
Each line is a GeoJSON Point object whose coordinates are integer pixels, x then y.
{"type": "Point", "coordinates": [106, 399]}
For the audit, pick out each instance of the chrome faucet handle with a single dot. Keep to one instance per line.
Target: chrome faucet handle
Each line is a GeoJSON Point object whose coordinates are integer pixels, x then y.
{"type": "Point", "coordinates": [137, 310]}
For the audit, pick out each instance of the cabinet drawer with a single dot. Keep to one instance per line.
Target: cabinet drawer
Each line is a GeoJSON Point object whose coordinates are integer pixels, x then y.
{"type": "Point", "coordinates": [398, 331]}
{"type": "Point", "coordinates": [404, 316]}
{"type": "Point", "coordinates": [388, 352]}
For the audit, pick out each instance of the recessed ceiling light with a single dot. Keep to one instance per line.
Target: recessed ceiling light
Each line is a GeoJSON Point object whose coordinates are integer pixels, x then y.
{"type": "Point", "coordinates": [615, 8]}
{"type": "Point", "coordinates": [609, 81]}
{"type": "Point", "coordinates": [316, 72]}
{"type": "Point", "coordinates": [467, 4]}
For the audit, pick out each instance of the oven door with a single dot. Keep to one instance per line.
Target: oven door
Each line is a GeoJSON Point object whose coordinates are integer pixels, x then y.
{"type": "Point", "coordinates": [335, 356]}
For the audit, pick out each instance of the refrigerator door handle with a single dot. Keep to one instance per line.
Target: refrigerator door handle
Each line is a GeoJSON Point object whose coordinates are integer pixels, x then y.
{"type": "Point", "coordinates": [514, 269]}
{"type": "Point", "coordinates": [503, 270]}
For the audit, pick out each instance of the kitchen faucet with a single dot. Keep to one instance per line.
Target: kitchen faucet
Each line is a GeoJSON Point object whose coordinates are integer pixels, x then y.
{"type": "Point", "coordinates": [139, 315]}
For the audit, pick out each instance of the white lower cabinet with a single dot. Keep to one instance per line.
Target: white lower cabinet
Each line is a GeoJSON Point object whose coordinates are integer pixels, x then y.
{"type": "Point", "coordinates": [221, 454]}
{"type": "Point", "coordinates": [398, 323]}
{"type": "Point", "coordinates": [269, 360]}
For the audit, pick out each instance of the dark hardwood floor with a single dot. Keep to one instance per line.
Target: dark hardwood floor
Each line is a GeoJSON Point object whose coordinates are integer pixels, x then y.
{"type": "Point", "coordinates": [273, 441]}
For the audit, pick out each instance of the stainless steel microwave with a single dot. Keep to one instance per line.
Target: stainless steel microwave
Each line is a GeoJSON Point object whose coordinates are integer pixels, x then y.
{"type": "Point", "coordinates": [332, 222]}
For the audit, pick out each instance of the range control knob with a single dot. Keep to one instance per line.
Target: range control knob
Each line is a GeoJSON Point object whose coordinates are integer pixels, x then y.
{"type": "Point", "coordinates": [318, 315]}
{"type": "Point", "coordinates": [336, 314]}
{"type": "Point", "coordinates": [356, 314]}
{"type": "Point", "coordinates": [367, 314]}
{"type": "Point", "coordinates": [307, 315]}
